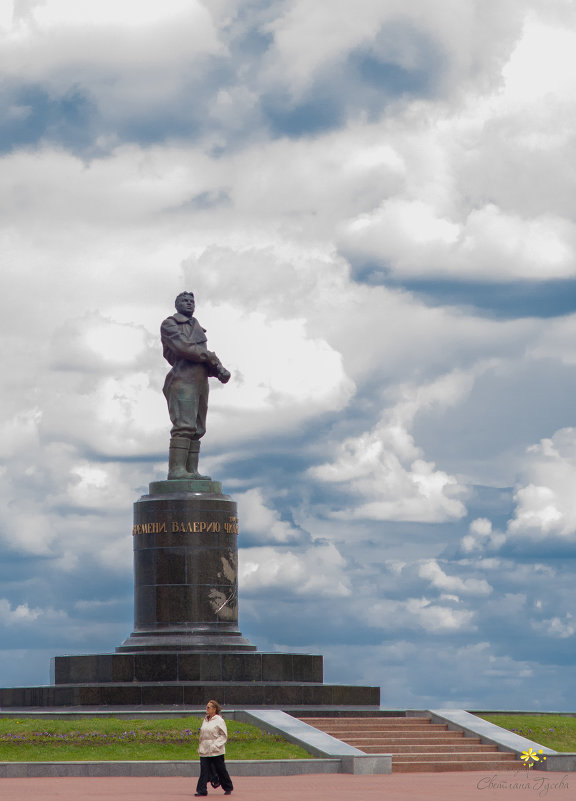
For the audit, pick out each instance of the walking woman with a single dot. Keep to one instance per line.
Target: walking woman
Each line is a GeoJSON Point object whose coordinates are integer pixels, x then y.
{"type": "Point", "coordinates": [213, 736]}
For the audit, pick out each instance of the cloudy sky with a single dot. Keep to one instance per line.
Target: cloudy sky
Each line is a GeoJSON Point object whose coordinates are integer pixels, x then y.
{"type": "Point", "coordinates": [373, 201]}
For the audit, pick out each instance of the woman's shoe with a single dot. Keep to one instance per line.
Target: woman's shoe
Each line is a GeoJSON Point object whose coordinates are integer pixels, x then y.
{"type": "Point", "coordinates": [200, 793]}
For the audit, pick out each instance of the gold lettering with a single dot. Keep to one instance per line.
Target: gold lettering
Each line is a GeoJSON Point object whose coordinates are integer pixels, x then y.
{"type": "Point", "coordinates": [186, 527]}
{"type": "Point", "coordinates": [153, 528]}
{"type": "Point", "coordinates": [231, 528]}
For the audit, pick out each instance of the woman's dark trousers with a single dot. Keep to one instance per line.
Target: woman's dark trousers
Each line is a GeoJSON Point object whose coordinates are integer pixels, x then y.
{"type": "Point", "coordinates": [210, 766]}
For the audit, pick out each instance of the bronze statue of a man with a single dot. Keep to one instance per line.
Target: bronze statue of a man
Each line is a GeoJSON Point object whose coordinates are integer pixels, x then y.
{"type": "Point", "coordinates": [186, 386]}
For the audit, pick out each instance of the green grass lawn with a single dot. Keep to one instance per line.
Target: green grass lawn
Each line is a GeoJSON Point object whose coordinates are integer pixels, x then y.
{"type": "Point", "coordinates": [554, 731]}
{"type": "Point", "coordinates": [96, 739]}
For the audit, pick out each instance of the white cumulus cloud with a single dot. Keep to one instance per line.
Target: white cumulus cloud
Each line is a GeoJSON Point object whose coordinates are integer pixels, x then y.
{"type": "Point", "coordinates": [387, 469]}
{"type": "Point", "coordinates": [315, 571]}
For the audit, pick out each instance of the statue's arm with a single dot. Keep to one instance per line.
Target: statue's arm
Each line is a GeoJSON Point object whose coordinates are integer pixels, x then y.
{"type": "Point", "coordinates": [170, 334]}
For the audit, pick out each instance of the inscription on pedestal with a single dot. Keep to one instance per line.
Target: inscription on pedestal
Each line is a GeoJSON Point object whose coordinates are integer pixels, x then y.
{"type": "Point", "coordinates": [230, 526]}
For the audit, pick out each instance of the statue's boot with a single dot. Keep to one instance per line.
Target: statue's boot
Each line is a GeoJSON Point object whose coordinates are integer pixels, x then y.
{"type": "Point", "coordinates": [192, 463]}
{"type": "Point", "coordinates": [178, 458]}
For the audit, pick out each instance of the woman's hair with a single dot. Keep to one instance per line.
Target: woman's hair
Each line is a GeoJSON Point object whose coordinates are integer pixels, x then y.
{"type": "Point", "coordinates": [216, 706]}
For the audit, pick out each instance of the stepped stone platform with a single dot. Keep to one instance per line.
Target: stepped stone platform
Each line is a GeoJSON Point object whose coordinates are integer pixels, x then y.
{"type": "Point", "coordinates": [187, 680]}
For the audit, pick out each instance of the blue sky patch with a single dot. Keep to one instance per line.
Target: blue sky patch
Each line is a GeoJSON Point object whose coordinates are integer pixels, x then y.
{"type": "Point", "coordinates": [32, 115]}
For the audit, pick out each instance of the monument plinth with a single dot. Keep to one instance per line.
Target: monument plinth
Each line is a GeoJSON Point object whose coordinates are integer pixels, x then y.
{"type": "Point", "coordinates": [185, 538]}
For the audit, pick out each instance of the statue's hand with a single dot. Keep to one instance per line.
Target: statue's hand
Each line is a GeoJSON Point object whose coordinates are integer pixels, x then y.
{"type": "Point", "coordinates": [212, 359]}
{"type": "Point", "coordinates": [222, 374]}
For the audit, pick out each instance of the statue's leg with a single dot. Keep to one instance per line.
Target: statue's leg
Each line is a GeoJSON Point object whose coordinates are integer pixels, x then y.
{"type": "Point", "coordinates": [200, 425]}
{"type": "Point", "coordinates": [178, 456]}
{"type": "Point", "coordinates": [192, 463]}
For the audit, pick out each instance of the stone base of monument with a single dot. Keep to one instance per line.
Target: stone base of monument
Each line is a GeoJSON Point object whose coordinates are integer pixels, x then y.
{"type": "Point", "coordinates": [188, 680]}
{"type": "Point", "coordinates": [186, 647]}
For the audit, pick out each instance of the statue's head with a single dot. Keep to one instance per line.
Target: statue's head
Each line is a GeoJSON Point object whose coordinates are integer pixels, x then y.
{"type": "Point", "coordinates": [185, 303]}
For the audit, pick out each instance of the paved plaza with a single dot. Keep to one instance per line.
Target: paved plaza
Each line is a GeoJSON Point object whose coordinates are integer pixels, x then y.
{"type": "Point", "coordinates": [463, 786]}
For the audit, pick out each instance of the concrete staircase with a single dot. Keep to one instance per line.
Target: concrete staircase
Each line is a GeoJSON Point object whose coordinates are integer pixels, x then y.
{"type": "Point", "coordinates": [416, 744]}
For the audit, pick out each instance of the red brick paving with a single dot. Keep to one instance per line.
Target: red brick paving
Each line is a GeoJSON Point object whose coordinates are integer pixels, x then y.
{"type": "Point", "coordinates": [463, 786]}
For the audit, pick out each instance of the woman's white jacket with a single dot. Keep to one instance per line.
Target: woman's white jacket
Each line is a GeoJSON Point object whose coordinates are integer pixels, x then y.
{"type": "Point", "coordinates": [213, 736]}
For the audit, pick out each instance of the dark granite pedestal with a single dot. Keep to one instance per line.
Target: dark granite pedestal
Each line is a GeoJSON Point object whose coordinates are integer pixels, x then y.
{"type": "Point", "coordinates": [185, 570]}
{"type": "Point", "coordinates": [186, 646]}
